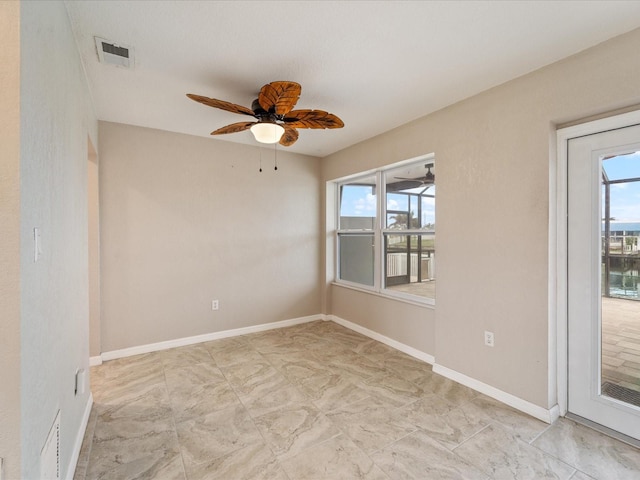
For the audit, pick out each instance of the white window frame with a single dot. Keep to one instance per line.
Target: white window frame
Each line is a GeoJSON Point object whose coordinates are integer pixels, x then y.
{"type": "Point", "coordinates": [379, 231]}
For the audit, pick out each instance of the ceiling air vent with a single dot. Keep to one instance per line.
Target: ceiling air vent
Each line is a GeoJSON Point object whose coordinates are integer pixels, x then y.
{"type": "Point", "coordinates": [112, 53]}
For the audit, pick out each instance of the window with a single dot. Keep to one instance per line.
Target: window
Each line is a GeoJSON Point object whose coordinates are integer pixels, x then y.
{"type": "Point", "coordinates": [357, 222]}
{"type": "Point", "coordinates": [386, 241]}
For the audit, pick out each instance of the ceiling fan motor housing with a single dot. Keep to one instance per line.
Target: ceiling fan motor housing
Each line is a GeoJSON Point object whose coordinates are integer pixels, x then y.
{"type": "Point", "coordinates": [262, 115]}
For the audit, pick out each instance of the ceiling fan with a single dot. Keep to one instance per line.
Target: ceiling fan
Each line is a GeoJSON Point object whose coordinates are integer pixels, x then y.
{"type": "Point", "coordinates": [427, 181]}
{"type": "Point", "coordinates": [273, 110]}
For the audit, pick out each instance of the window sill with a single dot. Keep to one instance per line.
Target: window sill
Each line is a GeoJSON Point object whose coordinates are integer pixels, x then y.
{"type": "Point", "coordinates": [428, 303]}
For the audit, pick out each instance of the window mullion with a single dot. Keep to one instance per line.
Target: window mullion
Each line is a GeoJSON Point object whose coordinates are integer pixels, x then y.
{"type": "Point", "coordinates": [380, 225]}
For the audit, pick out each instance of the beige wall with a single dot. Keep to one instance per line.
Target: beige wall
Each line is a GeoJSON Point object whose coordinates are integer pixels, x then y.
{"type": "Point", "coordinates": [55, 121]}
{"type": "Point", "coordinates": [493, 153]}
{"type": "Point", "coordinates": [10, 237]}
{"type": "Point", "coordinates": [186, 220]}
{"type": "Point", "coordinates": [93, 205]}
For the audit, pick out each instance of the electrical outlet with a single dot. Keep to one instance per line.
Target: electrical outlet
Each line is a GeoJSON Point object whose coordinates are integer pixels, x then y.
{"type": "Point", "coordinates": [215, 305]}
{"type": "Point", "coordinates": [489, 340]}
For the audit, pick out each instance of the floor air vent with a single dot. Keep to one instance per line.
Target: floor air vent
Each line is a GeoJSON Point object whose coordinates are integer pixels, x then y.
{"type": "Point", "coordinates": [50, 454]}
{"type": "Point", "coordinates": [112, 53]}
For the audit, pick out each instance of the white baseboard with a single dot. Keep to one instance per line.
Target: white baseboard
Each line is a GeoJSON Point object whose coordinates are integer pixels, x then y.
{"type": "Point", "coordinates": [75, 454]}
{"type": "Point", "coordinates": [207, 337]}
{"type": "Point", "coordinates": [414, 352]}
{"type": "Point", "coordinates": [95, 361]}
{"type": "Point", "coordinates": [546, 415]}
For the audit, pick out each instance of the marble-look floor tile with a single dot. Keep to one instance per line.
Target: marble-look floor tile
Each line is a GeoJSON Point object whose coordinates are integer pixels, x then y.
{"type": "Point", "coordinates": [393, 389]}
{"type": "Point", "coordinates": [289, 431]}
{"type": "Point", "coordinates": [328, 402]}
{"type": "Point", "coordinates": [321, 345]}
{"type": "Point", "coordinates": [253, 462]}
{"type": "Point", "coordinates": [269, 341]}
{"type": "Point", "coordinates": [520, 424]}
{"type": "Point", "coordinates": [129, 448]}
{"type": "Point", "coordinates": [367, 405]}
{"type": "Point", "coordinates": [288, 346]}
{"type": "Point", "coordinates": [578, 475]}
{"type": "Point", "coordinates": [232, 356]}
{"type": "Point", "coordinates": [116, 378]}
{"type": "Point", "coordinates": [442, 420]}
{"type": "Point", "coordinates": [591, 452]}
{"type": "Point", "coordinates": [501, 455]}
{"type": "Point", "coordinates": [148, 401]}
{"type": "Point", "coordinates": [182, 377]}
{"type": "Point", "coordinates": [351, 340]}
{"type": "Point", "coordinates": [114, 391]}
{"type": "Point", "coordinates": [280, 357]}
{"type": "Point", "coordinates": [374, 350]}
{"type": "Point", "coordinates": [336, 459]}
{"type": "Point", "coordinates": [309, 336]}
{"type": "Point", "coordinates": [85, 449]}
{"type": "Point", "coordinates": [356, 365]}
{"type": "Point", "coordinates": [323, 327]}
{"type": "Point", "coordinates": [263, 403]}
{"type": "Point", "coordinates": [229, 343]}
{"type": "Point", "coordinates": [185, 356]}
{"type": "Point", "coordinates": [254, 378]}
{"type": "Point", "coordinates": [206, 438]}
{"type": "Point", "coordinates": [428, 403]}
{"type": "Point", "coordinates": [446, 388]}
{"type": "Point", "coordinates": [128, 368]}
{"type": "Point", "coordinates": [201, 400]}
{"type": "Point", "coordinates": [298, 370]}
{"type": "Point", "coordinates": [372, 424]}
{"type": "Point", "coordinates": [154, 465]}
{"type": "Point", "coordinates": [329, 392]}
{"type": "Point", "coordinates": [408, 367]}
{"type": "Point", "coordinates": [418, 456]}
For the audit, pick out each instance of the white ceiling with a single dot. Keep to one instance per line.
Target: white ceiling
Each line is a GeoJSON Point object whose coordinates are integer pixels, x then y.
{"type": "Point", "coordinates": [375, 64]}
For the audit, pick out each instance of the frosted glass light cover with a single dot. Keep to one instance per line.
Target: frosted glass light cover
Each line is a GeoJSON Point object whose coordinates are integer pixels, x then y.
{"type": "Point", "coordinates": [267, 132]}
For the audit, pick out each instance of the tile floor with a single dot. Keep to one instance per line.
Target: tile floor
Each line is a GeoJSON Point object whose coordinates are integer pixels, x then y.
{"type": "Point", "coordinates": [319, 401]}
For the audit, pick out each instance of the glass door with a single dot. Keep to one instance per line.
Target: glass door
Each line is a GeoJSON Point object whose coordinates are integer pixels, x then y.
{"type": "Point", "coordinates": [603, 288]}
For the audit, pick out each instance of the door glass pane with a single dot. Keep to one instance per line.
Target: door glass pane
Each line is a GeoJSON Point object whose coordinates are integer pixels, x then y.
{"type": "Point", "coordinates": [620, 360]}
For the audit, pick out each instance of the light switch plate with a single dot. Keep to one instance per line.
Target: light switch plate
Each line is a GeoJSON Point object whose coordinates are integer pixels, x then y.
{"type": "Point", "coordinates": [37, 251]}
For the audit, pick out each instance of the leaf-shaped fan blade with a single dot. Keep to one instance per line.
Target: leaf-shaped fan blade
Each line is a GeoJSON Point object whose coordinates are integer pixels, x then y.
{"type": "Point", "coordinates": [233, 128]}
{"type": "Point", "coordinates": [279, 97]}
{"type": "Point", "coordinates": [312, 119]}
{"type": "Point", "coordinates": [221, 104]}
{"type": "Point", "coordinates": [289, 136]}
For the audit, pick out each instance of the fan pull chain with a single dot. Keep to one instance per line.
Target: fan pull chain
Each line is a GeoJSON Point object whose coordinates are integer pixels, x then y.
{"type": "Point", "coordinates": [260, 159]}
{"type": "Point", "coordinates": [275, 156]}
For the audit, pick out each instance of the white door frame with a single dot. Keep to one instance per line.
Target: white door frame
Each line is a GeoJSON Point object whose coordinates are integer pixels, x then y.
{"type": "Point", "coordinates": [558, 237]}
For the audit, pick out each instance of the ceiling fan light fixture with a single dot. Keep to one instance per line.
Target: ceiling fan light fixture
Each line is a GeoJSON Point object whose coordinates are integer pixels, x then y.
{"type": "Point", "coordinates": [266, 132]}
